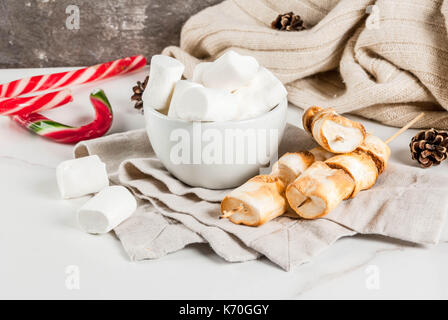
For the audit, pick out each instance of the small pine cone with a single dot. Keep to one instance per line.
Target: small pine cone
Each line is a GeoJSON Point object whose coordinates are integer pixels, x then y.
{"type": "Point", "coordinates": [429, 147]}
{"type": "Point", "coordinates": [288, 22]}
{"type": "Point", "coordinates": [138, 90]}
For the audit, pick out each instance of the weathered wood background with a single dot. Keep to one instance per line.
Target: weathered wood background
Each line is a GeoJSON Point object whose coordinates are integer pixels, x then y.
{"type": "Point", "coordinates": [33, 33]}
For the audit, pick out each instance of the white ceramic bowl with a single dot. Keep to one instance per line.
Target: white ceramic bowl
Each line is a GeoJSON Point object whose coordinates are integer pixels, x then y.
{"type": "Point", "coordinates": [216, 155]}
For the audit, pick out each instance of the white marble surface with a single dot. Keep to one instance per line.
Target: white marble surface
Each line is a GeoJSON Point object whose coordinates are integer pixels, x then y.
{"type": "Point", "coordinates": [39, 236]}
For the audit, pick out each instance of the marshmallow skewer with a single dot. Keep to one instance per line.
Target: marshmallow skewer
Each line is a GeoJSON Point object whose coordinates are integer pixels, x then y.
{"type": "Point", "coordinates": [332, 131]}
{"type": "Point", "coordinates": [262, 198]}
{"type": "Point", "coordinates": [310, 195]}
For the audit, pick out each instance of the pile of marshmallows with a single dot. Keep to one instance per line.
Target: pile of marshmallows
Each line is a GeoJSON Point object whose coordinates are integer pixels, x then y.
{"type": "Point", "coordinates": [233, 87]}
{"type": "Point", "coordinates": [108, 208]}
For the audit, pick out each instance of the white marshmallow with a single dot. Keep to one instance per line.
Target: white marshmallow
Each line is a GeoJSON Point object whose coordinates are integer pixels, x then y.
{"type": "Point", "coordinates": [199, 70]}
{"type": "Point", "coordinates": [262, 94]}
{"type": "Point", "coordinates": [81, 176]}
{"type": "Point", "coordinates": [207, 104]}
{"type": "Point", "coordinates": [176, 100]}
{"type": "Point", "coordinates": [107, 209]}
{"type": "Point", "coordinates": [163, 74]}
{"type": "Point", "coordinates": [230, 71]}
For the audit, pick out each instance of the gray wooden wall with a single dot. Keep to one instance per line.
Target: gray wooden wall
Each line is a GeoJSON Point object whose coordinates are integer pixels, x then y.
{"type": "Point", "coordinates": [33, 33]}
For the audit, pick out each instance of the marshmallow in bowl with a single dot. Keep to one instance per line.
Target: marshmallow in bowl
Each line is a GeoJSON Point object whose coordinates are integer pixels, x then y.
{"type": "Point", "coordinates": [177, 99]}
{"type": "Point", "coordinates": [82, 176]}
{"type": "Point", "coordinates": [206, 104]}
{"type": "Point", "coordinates": [262, 94]}
{"type": "Point", "coordinates": [199, 70]}
{"type": "Point", "coordinates": [229, 72]}
{"type": "Point", "coordinates": [106, 210]}
{"type": "Point", "coordinates": [163, 75]}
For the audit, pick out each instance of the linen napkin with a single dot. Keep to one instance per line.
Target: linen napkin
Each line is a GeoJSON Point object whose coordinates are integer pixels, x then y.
{"type": "Point", "coordinates": [407, 203]}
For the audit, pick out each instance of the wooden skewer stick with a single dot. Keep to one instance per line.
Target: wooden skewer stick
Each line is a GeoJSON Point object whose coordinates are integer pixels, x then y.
{"type": "Point", "coordinates": [406, 127]}
{"type": "Point", "coordinates": [339, 138]}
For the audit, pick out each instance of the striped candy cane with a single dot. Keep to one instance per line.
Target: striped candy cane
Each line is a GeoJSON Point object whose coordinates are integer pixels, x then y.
{"type": "Point", "coordinates": [41, 125]}
{"type": "Point", "coordinates": [26, 105]}
{"type": "Point", "coordinates": [71, 78]}
{"type": "Point", "coordinates": [24, 110]}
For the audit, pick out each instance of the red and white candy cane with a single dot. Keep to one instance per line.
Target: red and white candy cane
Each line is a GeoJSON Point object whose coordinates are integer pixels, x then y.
{"type": "Point", "coordinates": [25, 105]}
{"type": "Point", "coordinates": [11, 104]}
{"type": "Point", "coordinates": [24, 110]}
{"type": "Point", "coordinates": [71, 78]}
{"type": "Point", "coordinates": [50, 129]}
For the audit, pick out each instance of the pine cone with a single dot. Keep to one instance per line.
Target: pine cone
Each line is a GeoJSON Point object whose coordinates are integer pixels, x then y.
{"type": "Point", "coordinates": [138, 92]}
{"type": "Point", "coordinates": [289, 22]}
{"type": "Point", "coordinates": [429, 147]}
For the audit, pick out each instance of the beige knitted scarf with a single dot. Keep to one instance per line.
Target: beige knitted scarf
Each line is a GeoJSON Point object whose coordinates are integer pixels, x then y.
{"type": "Point", "coordinates": [385, 60]}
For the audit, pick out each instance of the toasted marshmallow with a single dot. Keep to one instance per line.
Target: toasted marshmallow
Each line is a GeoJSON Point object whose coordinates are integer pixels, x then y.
{"type": "Point", "coordinates": [333, 132]}
{"type": "Point", "coordinates": [308, 117]}
{"type": "Point", "coordinates": [82, 176]}
{"type": "Point", "coordinates": [206, 104]}
{"type": "Point", "coordinates": [319, 190]}
{"type": "Point", "coordinates": [163, 74]}
{"type": "Point", "coordinates": [229, 72]}
{"type": "Point", "coordinates": [179, 90]}
{"type": "Point", "coordinates": [107, 209]}
{"type": "Point", "coordinates": [378, 150]}
{"type": "Point", "coordinates": [291, 165]}
{"type": "Point", "coordinates": [359, 166]}
{"type": "Point", "coordinates": [262, 198]}
{"type": "Point", "coordinates": [262, 93]}
{"type": "Point", "coordinates": [255, 202]}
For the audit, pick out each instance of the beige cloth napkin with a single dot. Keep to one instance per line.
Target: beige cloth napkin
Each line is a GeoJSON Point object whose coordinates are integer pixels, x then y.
{"type": "Point", "coordinates": [407, 203]}
{"type": "Point", "coordinates": [387, 62]}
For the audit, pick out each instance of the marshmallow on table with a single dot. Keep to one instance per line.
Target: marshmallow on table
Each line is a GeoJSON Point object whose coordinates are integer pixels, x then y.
{"type": "Point", "coordinates": [229, 72]}
{"type": "Point", "coordinates": [107, 209]}
{"type": "Point", "coordinates": [163, 74]}
{"type": "Point", "coordinates": [260, 95]}
{"type": "Point", "coordinates": [198, 103]}
{"type": "Point", "coordinates": [199, 70]}
{"type": "Point", "coordinates": [176, 100]}
{"type": "Point", "coordinates": [82, 176]}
